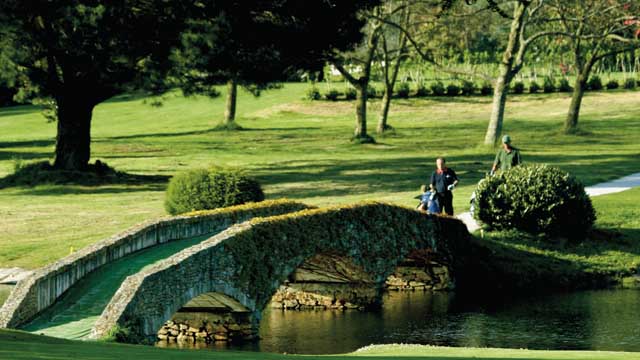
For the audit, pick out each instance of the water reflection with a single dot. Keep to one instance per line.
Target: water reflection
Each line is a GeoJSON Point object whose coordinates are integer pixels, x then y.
{"type": "Point", "coordinates": [597, 320]}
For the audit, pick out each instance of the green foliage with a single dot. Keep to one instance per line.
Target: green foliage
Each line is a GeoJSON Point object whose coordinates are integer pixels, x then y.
{"type": "Point", "coordinates": [468, 87]}
{"type": "Point", "coordinates": [518, 87]}
{"type": "Point", "coordinates": [372, 92]}
{"type": "Point", "coordinates": [313, 94]}
{"type": "Point", "coordinates": [202, 189]}
{"type": "Point", "coordinates": [350, 93]}
{"type": "Point", "coordinates": [332, 94]}
{"type": "Point", "coordinates": [402, 90]}
{"type": "Point", "coordinates": [225, 41]}
{"type": "Point", "coordinates": [536, 199]}
{"type": "Point", "coordinates": [595, 83]}
{"type": "Point", "coordinates": [630, 84]}
{"type": "Point", "coordinates": [453, 90]}
{"type": "Point", "coordinates": [486, 88]}
{"type": "Point", "coordinates": [564, 86]}
{"type": "Point", "coordinates": [534, 87]}
{"type": "Point", "coordinates": [549, 85]}
{"type": "Point", "coordinates": [422, 90]}
{"type": "Point", "coordinates": [438, 88]}
{"type": "Point", "coordinates": [613, 84]}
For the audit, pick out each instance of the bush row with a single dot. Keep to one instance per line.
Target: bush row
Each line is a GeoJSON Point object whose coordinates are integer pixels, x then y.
{"type": "Point", "coordinates": [404, 90]}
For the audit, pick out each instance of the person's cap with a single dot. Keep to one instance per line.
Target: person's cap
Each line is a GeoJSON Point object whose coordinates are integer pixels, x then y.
{"type": "Point", "coordinates": [506, 139]}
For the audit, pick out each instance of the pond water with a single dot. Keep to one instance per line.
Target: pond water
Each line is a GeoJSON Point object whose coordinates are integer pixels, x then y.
{"type": "Point", "coordinates": [591, 320]}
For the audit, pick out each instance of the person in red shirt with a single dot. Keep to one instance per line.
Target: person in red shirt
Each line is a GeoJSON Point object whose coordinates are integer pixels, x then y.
{"type": "Point", "coordinates": [443, 181]}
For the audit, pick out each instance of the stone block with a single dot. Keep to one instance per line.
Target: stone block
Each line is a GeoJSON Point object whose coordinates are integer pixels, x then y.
{"type": "Point", "coordinates": [220, 337]}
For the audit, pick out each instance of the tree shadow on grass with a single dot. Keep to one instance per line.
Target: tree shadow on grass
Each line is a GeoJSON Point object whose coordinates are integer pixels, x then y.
{"type": "Point", "coordinates": [19, 110]}
{"type": "Point", "coordinates": [337, 177]}
{"type": "Point", "coordinates": [26, 143]}
{"type": "Point", "coordinates": [198, 132]}
{"type": "Point", "coordinates": [494, 263]}
{"type": "Point", "coordinates": [93, 190]}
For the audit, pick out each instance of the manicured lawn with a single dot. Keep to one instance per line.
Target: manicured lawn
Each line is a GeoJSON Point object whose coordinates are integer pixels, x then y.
{"type": "Point", "coordinates": [297, 149]}
{"type": "Point", "coordinates": [18, 345]}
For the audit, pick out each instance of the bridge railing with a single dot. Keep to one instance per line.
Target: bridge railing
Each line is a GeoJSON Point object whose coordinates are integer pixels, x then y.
{"type": "Point", "coordinates": [45, 285]}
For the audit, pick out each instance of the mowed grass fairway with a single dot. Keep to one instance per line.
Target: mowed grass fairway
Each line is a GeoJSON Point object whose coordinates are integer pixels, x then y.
{"type": "Point", "coordinates": [17, 345]}
{"type": "Point", "coordinates": [298, 149]}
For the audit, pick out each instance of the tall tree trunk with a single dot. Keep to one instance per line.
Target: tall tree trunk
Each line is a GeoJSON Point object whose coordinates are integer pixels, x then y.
{"type": "Point", "coordinates": [571, 123]}
{"type": "Point", "coordinates": [361, 112]}
{"type": "Point", "coordinates": [232, 96]}
{"type": "Point", "coordinates": [384, 110]}
{"type": "Point", "coordinates": [507, 72]}
{"type": "Point", "coordinates": [73, 141]}
{"type": "Point", "coordinates": [494, 130]}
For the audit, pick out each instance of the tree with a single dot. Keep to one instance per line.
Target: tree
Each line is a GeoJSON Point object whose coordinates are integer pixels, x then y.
{"type": "Point", "coordinates": [594, 31]}
{"type": "Point", "coordinates": [394, 52]}
{"type": "Point", "coordinates": [525, 14]}
{"type": "Point", "coordinates": [80, 53]}
{"type": "Point", "coordinates": [255, 49]}
{"type": "Point", "coordinates": [359, 75]}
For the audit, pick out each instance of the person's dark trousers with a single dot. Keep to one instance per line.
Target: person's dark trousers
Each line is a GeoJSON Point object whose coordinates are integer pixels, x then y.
{"type": "Point", "coordinates": [446, 202]}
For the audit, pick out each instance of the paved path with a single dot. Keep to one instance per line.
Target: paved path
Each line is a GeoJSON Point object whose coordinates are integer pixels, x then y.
{"type": "Point", "coordinates": [609, 187]}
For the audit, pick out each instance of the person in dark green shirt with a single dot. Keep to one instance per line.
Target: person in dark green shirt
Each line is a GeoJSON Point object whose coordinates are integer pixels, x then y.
{"type": "Point", "coordinates": [507, 157]}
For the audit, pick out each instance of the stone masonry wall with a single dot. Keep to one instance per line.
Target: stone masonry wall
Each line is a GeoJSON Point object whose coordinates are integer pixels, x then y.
{"type": "Point", "coordinates": [203, 327]}
{"type": "Point", "coordinates": [249, 262]}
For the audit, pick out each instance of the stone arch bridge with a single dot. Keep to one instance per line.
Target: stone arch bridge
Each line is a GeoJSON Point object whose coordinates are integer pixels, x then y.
{"type": "Point", "coordinates": [248, 262]}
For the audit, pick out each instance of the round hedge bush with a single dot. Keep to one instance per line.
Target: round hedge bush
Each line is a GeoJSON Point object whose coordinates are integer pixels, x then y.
{"type": "Point", "coordinates": [535, 199]}
{"type": "Point", "coordinates": [205, 189]}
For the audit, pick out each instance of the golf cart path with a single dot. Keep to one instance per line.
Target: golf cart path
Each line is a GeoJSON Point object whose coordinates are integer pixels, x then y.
{"type": "Point", "coordinates": [605, 188]}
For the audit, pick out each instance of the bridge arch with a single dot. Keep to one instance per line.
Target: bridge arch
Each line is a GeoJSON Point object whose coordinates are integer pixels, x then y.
{"type": "Point", "coordinates": [248, 262]}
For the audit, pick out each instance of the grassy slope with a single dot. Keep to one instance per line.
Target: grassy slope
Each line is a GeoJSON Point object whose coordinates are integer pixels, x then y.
{"type": "Point", "coordinates": [18, 346]}
{"type": "Point", "coordinates": [297, 149]}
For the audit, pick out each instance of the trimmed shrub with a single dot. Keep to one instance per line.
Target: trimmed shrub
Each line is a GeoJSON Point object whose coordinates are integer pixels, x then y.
{"type": "Point", "coordinates": [534, 87]}
{"type": "Point", "coordinates": [422, 90]}
{"type": "Point", "coordinates": [204, 189]}
{"type": "Point", "coordinates": [630, 84]}
{"type": "Point", "coordinates": [486, 88]}
{"type": "Point", "coordinates": [549, 85]}
{"type": "Point", "coordinates": [564, 86]}
{"type": "Point", "coordinates": [332, 94]}
{"type": "Point", "coordinates": [350, 93]}
{"type": "Point", "coordinates": [595, 83]}
{"type": "Point", "coordinates": [453, 90]}
{"type": "Point", "coordinates": [468, 87]}
{"type": "Point", "coordinates": [402, 90]}
{"type": "Point", "coordinates": [613, 84]}
{"type": "Point", "coordinates": [535, 199]}
{"type": "Point", "coordinates": [313, 94]}
{"type": "Point", "coordinates": [438, 88]}
{"type": "Point", "coordinates": [518, 87]}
